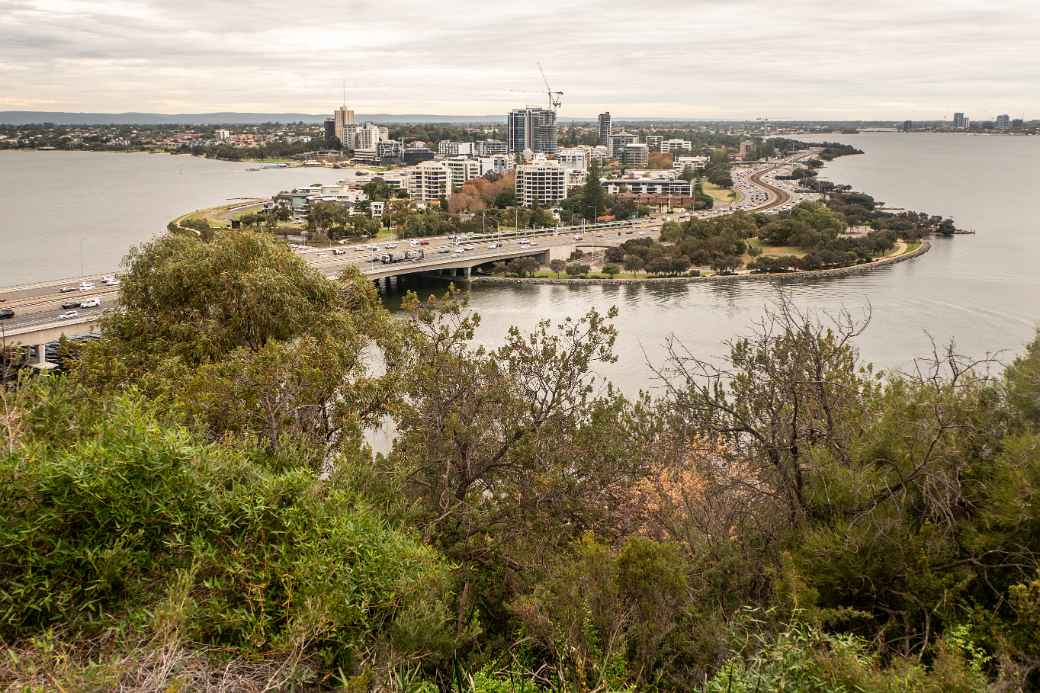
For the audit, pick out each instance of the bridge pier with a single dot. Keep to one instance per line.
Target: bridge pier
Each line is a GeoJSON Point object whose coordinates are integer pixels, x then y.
{"type": "Point", "coordinates": [41, 363]}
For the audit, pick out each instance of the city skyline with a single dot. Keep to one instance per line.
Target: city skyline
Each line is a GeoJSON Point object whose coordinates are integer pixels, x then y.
{"type": "Point", "coordinates": [738, 60]}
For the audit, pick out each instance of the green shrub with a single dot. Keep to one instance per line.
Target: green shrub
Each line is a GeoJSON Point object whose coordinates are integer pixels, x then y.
{"type": "Point", "coordinates": [110, 526]}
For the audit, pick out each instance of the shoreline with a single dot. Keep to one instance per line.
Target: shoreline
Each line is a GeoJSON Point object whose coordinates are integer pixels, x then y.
{"type": "Point", "coordinates": [925, 246]}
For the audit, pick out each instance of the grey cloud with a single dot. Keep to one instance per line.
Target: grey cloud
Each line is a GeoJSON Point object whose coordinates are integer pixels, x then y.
{"type": "Point", "coordinates": [884, 59]}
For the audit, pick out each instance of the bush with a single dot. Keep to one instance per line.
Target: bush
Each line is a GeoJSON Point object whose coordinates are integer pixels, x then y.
{"type": "Point", "coordinates": [131, 512]}
{"type": "Point", "coordinates": [577, 269]}
{"type": "Point", "coordinates": [611, 270]}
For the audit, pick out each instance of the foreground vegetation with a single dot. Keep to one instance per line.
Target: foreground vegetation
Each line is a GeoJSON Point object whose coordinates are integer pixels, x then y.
{"type": "Point", "coordinates": [193, 506]}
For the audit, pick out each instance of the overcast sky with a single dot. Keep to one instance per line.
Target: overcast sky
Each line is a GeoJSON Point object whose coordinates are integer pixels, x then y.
{"type": "Point", "coordinates": [830, 59]}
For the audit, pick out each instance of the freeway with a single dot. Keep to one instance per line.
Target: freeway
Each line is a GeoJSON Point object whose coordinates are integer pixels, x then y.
{"type": "Point", "coordinates": [41, 304]}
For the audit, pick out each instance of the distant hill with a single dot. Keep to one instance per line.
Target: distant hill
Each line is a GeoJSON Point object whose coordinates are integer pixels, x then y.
{"type": "Point", "coordinates": [59, 118]}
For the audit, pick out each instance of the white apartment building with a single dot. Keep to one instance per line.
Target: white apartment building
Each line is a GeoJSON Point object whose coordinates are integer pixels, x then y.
{"type": "Point", "coordinates": [462, 169]}
{"type": "Point", "coordinates": [697, 163]}
{"type": "Point", "coordinates": [449, 148]}
{"type": "Point", "coordinates": [573, 158]}
{"type": "Point", "coordinates": [490, 147]}
{"type": "Point", "coordinates": [543, 183]}
{"type": "Point", "coordinates": [430, 180]}
{"type": "Point", "coordinates": [369, 135]}
{"type": "Point", "coordinates": [648, 186]}
{"type": "Point", "coordinates": [676, 146]}
{"type": "Point", "coordinates": [498, 163]}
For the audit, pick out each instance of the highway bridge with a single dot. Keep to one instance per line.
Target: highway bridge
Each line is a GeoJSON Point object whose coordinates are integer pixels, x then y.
{"type": "Point", "coordinates": [41, 317]}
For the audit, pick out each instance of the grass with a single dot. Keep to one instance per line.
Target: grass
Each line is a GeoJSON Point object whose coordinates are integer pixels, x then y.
{"type": "Point", "coordinates": [725, 195]}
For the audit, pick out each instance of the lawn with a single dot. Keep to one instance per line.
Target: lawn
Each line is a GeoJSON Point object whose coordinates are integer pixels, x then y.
{"type": "Point", "coordinates": [723, 195]}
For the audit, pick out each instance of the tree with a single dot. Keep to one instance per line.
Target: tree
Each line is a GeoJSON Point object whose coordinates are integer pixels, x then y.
{"type": "Point", "coordinates": [593, 198]}
{"type": "Point", "coordinates": [557, 266]}
{"type": "Point", "coordinates": [611, 269]}
{"type": "Point", "coordinates": [577, 269]}
{"type": "Point", "coordinates": [243, 319]}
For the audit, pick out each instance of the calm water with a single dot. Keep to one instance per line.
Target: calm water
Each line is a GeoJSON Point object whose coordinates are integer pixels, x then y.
{"type": "Point", "coordinates": [54, 203]}
{"type": "Point", "coordinates": [981, 291]}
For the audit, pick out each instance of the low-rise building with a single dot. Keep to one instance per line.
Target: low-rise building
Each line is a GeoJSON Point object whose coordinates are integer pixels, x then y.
{"type": "Point", "coordinates": [573, 158]}
{"type": "Point", "coordinates": [497, 163]}
{"type": "Point", "coordinates": [449, 148]}
{"type": "Point", "coordinates": [635, 154]}
{"type": "Point", "coordinates": [662, 185]}
{"type": "Point", "coordinates": [618, 141]}
{"type": "Point", "coordinates": [676, 145]}
{"type": "Point", "coordinates": [542, 183]}
{"type": "Point", "coordinates": [696, 163]}
{"type": "Point", "coordinates": [490, 147]}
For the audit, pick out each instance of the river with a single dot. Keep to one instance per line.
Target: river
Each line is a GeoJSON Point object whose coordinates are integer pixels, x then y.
{"type": "Point", "coordinates": [54, 203]}
{"type": "Point", "coordinates": [981, 292]}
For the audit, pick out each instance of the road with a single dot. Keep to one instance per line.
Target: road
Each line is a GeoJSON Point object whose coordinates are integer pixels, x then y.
{"type": "Point", "coordinates": [41, 303]}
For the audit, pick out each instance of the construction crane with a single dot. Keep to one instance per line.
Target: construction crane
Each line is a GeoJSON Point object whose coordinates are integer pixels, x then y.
{"type": "Point", "coordinates": [555, 97]}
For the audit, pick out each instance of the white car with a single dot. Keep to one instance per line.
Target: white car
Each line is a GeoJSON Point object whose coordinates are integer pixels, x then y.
{"type": "Point", "coordinates": [69, 315]}
{"type": "Point", "coordinates": [110, 281]}
{"type": "Point", "coordinates": [90, 303]}
{"type": "Point", "coordinates": [460, 251]}
{"type": "Point", "coordinates": [86, 286]}
{"type": "Point", "coordinates": [577, 236]}
{"type": "Point", "coordinates": [492, 245]}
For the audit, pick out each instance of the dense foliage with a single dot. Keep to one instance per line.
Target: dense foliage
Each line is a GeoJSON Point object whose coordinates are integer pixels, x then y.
{"type": "Point", "coordinates": [194, 507]}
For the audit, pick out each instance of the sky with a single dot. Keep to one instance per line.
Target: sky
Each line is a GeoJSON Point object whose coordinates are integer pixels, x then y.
{"type": "Point", "coordinates": [776, 59]}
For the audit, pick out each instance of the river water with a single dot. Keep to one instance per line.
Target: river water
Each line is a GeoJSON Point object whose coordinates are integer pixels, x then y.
{"type": "Point", "coordinates": [54, 203]}
{"type": "Point", "coordinates": [981, 291]}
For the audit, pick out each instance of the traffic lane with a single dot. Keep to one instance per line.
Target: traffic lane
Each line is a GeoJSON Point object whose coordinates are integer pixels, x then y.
{"type": "Point", "coordinates": [47, 289]}
{"type": "Point", "coordinates": [45, 317]}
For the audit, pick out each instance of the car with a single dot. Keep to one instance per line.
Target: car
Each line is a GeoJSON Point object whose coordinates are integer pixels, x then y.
{"type": "Point", "coordinates": [86, 286]}
{"type": "Point", "coordinates": [445, 249]}
{"type": "Point", "coordinates": [69, 315]}
{"type": "Point", "coordinates": [339, 251]}
{"type": "Point", "coordinates": [460, 251]}
{"type": "Point", "coordinates": [90, 303]}
{"type": "Point", "coordinates": [6, 313]}
{"type": "Point", "coordinates": [577, 236]}
{"type": "Point", "coordinates": [424, 242]}
{"type": "Point", "coordinates": [70, 304]}
{"type": "Point", "coordinates": [414, 244]}
{"type": "Point", "coordinates": [67, 289]}
{"type": "Point", "coordinates": [492, 245]}
{"type": "Point", "coordinates": [110, 281]}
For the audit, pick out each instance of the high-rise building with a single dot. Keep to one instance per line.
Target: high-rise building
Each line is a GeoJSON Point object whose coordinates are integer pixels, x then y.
{"type": "Point", "coordinates": [330, 133]}
{"type": "Point", "coordinates": [959, 121]}
{"type": "Point", "coordinates": [542, 183]}
{"type": "Point", "coordinates": [531, 128]}
{"type": "Point", "coordinates": [1003, 121]}
{"type": "Point", "coordinates": [343, 117]}
{"type": "Point", "coordinates": [746, 147]}
{"type": "Point", "coordinates": [653, 142]}
{"type": "Point", "coordinates": [368, 136]}
{"type": "Point", "coordinates": [604, 129]}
